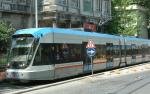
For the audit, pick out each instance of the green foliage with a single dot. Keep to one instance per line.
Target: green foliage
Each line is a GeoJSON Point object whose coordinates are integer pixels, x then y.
{"type": "Point", "coordinates": [126, 22]}
{"type": "Point", "coordinates": [3, 59]}
{"type": "Point", "coordinates": [6, 31]}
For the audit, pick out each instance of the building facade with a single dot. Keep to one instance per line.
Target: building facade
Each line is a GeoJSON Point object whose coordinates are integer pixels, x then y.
{"type": "Point", "coordinates": [75, 13]}
{"type": "Point", "coordinates": [56, 13]}
{"type": "Point", "coordinates": [16, 12]}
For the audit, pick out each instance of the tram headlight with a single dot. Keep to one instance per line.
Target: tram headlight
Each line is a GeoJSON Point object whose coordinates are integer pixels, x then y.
{"type": "Point", "coordinates": [8, 65]}
{"type": "Point", "coordinates": [23, 65]}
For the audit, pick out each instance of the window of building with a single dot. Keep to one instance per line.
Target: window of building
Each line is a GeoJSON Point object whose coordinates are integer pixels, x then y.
{"type": "Point", "coordinates": [22, 8]}
{"type": "Point", "coordinates": [13, 7]}
{"type": "Point", "coordinates": [87, 5]}
{"type": "Point", "coordinates": [6, 15]}
{"type": "Point", "coordinates": [6, 6]}
{"type": "Point", "coordinates": [22, 1]}
{"type": "Point", "coordinates": [99, 5]}
{"type": "Point", "coordinates": [45, 2]}
{"type": "Point", "coordinates": [74, 3]}
{"type": "Point", "coordinates": [62, 2]}
{"type": "Point", "coordinates": [106, 8]}
{"type": "Point", "coordinates": [9, 1]}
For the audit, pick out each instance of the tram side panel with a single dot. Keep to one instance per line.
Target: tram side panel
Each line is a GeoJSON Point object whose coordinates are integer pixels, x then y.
{"type": "Point", "coordinates": [99, 60]}
{"type": "Point", "coordinates": [66, 54]}
{"type": "Point", "coordinates": [43, 64]}
{"type": "Point", "coordinates": [147, 52]}
{"type": "Point", "coordinates": [116, 55]}
{"type": "Point", "coordinates": [107, 54]}
{"type": "Point", "coordinates": [86, 60]}
{"type": "Point", "coordinates": [68, 60]}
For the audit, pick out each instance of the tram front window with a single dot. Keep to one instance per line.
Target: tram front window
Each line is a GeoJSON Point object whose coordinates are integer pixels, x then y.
{"type": "Point", "coordinates": [21, 52]}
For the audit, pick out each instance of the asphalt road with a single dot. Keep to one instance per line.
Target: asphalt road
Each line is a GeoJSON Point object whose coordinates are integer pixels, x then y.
{"type": "Point", "coordinates": [6, 87]}
{"type": "Point", "coordinates": [9, 87]}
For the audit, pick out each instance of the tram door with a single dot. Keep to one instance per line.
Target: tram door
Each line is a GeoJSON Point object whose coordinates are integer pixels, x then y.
{"type": "Point", "coordinates": [109, 55]}
{"type": "Point", "coordinates": [123, 53]}
{"type": "Point", "coordinates": [133, 53]}
{"type": "Point", "coordinates": [85, 58]}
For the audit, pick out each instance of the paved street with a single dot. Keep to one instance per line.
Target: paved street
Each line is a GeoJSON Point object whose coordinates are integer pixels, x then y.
{"type": "Point", "coordinates": [135, 80]}
{"type": "Point", "coordinates": [7, 88]}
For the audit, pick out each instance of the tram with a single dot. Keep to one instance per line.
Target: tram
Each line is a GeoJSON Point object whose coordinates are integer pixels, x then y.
{"type": "Point", "coordinates": [53, 53]}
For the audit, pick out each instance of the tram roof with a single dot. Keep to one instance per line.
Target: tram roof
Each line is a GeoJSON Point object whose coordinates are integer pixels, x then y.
{"type": "Point", "coordinates": [38, 32]}
{"type": "Point", "coordinates": [135, 39]}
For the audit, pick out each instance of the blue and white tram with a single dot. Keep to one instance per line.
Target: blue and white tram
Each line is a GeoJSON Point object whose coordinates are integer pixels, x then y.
{"type": "Point", "coordinates": [52, 53]}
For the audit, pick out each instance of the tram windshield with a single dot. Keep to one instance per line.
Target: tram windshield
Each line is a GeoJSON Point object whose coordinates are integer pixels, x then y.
{"type": "Point", "coordinates": [21, 52]}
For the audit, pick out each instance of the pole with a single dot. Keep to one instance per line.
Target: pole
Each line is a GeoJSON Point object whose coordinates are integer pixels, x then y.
{"type": "Point", "coordinates": [36, 14]}
{"type": "Point", "coordinates": [92, 65]}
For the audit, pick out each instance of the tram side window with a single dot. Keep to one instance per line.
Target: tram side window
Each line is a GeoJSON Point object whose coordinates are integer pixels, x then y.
{"type": "Point", "coordinates": [67, 53]}
{"type": "Point", "coordinates": [100, 52]}
{"type": "Point", "coordinates": [123, 50]}
{"type": "Point", "coordinates": [148, 50]}
{"type": "Point", "coordinates": [37, 59]}
{"type": "Point", "coordinates": [57, 53]}
{"type": "Point", "coordinates": [143, 51]}
{"type": "Point", "coordinates": [109, 51]}
{"type": "Point", "coordinates": [133, 51]}
{"type": "Point", "coordinates": [75, 52]}
{"type": "Point", "coordinates": [44, 55]}
{"type": "Point", "coordinates": [116, 51]}
{"type": "Point", "coordinates": [128, 50]}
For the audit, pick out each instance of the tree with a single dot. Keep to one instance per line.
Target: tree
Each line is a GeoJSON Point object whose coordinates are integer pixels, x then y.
{"type": "Point", "coordinates": [124, 20]}
{"type": "Point", "coordinates": [6, 30]}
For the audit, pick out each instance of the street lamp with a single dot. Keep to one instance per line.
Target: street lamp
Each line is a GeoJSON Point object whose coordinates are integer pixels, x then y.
{"type": "Point", "coordinates": [36, 14]}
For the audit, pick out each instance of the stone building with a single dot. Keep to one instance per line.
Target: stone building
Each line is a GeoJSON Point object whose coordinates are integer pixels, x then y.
{"type": "Point", "coordinates": [56, 13]}
{"type": "Point", "coordinates": [75, 13]}
{"type": "Point", "coordinates": [16, 12]}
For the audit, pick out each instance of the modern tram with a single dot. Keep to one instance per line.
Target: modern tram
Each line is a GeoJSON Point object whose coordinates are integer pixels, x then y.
{"type": "Point", "coordinates": [54, 53]}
